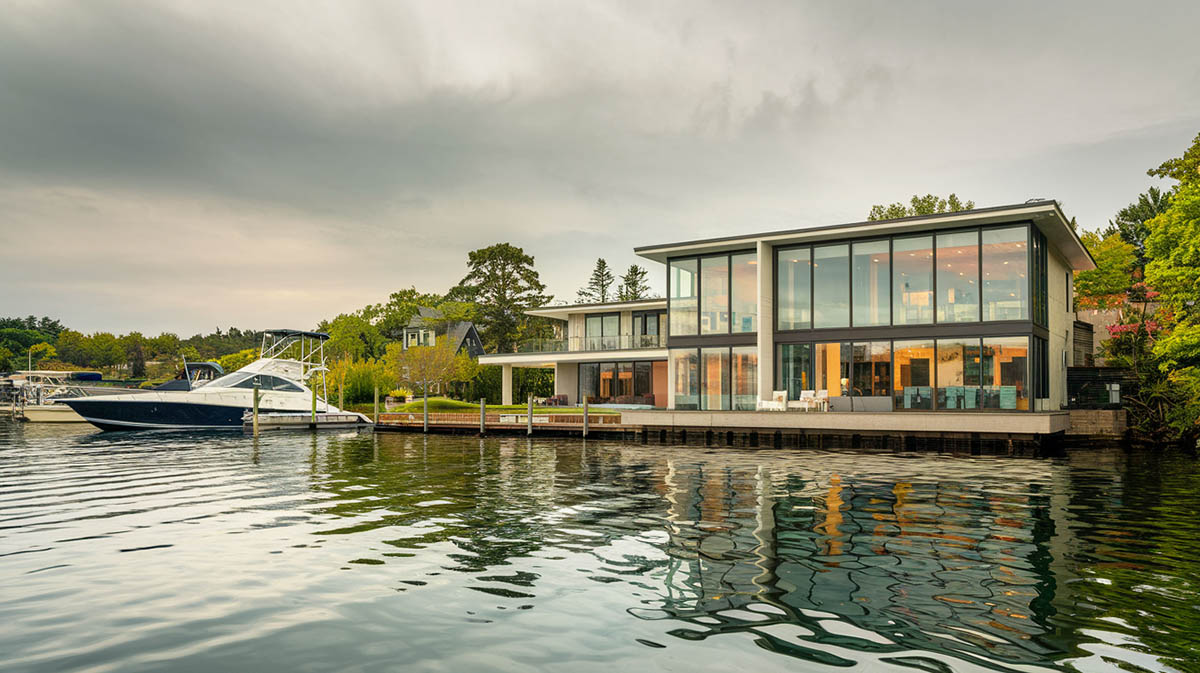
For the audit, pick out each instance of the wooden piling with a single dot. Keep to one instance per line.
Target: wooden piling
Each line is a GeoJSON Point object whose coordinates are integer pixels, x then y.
{"type": "Point", "coordinates": [255, 412]}
{"type": "Point", "coordinates": [425, 413]}
{"type": "Point", "coordinates": [529, 417]}
{"type": "Point", "coordinates": [314, 407]}
{"type": "Point", "coordinates": [585, 416]}
{"type": "Point", "coordinates": [375, 419]}
{"type": "Point", "coordinates": [482, 416]}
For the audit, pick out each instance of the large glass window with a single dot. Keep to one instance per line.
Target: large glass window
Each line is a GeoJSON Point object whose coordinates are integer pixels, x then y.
{"type": "Point", "coordinates": [646, 330]}
{"type": "Point", "coordinates": [912, 280]}
{"type": "Point", "coordinates": [830, 369]}
{"type": "Point", "coordinates": [831, 286]}
{"type": "Point", "coordinates": [623, 385]}
{"type": "Point", "coordinates": [714, 295]}
{"type": "Point", "coordinates": [714, 378]}
{"type": "Point", "coordinates": [871, 369]}
{"type": "Point", "coordinates": [643, 381]}
{"type": "Point", "coordinates": [744, 292]}
{"type": "Point", "coordinates": [1005, 266]}
{"type": "Point", "coordinates": [685, 377]}
{"type": "Point", "coordinates": [1006, 373]}
{"type": "Point", "coordinates": [914, 374]}
{"type": "Point", "coordinates": [589, 381]}
{"type": "Point", "coordinates": [682, 279]}
{"type": "Point", "coordinates": [793, 294]}
{"type": "Point", "coordinates": [602, 331]}
{"type": "Point", "coordinates": [958, 277]}
{"type": "Point", "coordinates": [795, 369]}
{"type": "Point", "coordinates": [871, 283]}
{"type": "Point", "coordinates": [958, 368]}
{"type": "Point", "coordinates": [745, 378]}
{"type": "Point", "coordinates": [608, 380]}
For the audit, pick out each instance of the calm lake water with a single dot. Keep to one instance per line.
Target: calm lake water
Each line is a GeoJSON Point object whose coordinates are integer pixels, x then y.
{"type": "Point", "coordinates": [186, 552]}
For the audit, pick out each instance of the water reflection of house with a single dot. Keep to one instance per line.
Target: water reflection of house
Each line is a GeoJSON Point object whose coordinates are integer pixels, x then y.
{"type": "Point", "coordinates": [896, 562]}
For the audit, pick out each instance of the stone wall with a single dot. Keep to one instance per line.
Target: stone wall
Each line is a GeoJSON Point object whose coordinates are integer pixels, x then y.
{"type": "Point", "coordinates": [1098, 422]}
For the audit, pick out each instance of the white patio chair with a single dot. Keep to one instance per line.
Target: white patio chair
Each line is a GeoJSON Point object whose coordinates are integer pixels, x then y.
{"type": "Point", "coordinates": [822, 400]}
{"type": "Point", "coordinates": [808, 399]}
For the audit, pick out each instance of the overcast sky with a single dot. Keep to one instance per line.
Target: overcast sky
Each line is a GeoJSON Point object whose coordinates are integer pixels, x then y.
{"type": "Point", "coordinates": [171, 166]}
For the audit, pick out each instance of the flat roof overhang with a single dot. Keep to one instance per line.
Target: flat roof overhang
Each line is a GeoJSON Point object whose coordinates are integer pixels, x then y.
{"type": "Point", "coordinates": [1045, 214]}
{"type": "Point", "coordinates": [562, 312]}
{"type": "Point", "coordinates": [550, 359]}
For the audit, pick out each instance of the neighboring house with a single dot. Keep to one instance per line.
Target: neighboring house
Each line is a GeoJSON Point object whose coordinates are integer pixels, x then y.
{"type": "Point", "coordinates": [966, 311]}
{"type": "Point", "coordinates": [425, 329]}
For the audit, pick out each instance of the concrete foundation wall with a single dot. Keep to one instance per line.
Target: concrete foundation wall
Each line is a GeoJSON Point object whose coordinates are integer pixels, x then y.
{"type": "Point", "coordinates": [935, 422]}
{"type": "Point", "coordinates": [1098, 422]}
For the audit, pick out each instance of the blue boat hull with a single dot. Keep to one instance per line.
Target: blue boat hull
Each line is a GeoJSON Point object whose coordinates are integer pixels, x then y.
{"type": "Point", "coordinates": [130, 415]}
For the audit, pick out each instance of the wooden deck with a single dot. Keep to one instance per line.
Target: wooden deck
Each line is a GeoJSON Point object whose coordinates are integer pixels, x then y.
{"type": "Point", "coordinates": [509, 423]}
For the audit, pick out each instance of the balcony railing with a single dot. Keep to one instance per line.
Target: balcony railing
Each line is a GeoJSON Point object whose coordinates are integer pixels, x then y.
{"type": "Point", "coordinates": [605, 343]}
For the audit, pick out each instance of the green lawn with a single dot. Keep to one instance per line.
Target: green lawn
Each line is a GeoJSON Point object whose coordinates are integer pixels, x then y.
{"type": "Point", "coordinates": [444, 404]}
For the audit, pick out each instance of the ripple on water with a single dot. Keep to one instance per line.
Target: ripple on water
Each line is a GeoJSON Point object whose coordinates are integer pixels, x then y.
{"type": "Point", "coordinates": [143, 551]}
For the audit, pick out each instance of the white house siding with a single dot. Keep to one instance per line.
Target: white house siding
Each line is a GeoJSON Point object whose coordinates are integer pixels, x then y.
{"type": "Point", "coordinates": [766, 320]}
{"type": "Point", "coordinates": [566, 380]}
{"type": "Point", "coordinates": [1062, 323]}
{"type": "Point", "coordinates": [576, 326]}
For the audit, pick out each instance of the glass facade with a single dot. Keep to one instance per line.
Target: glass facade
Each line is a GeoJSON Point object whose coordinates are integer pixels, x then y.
{"type": "Point", "coordinates": [793, 288]}
{"type": "Point", "coordinates": [1005, 267]}
{"type": "Point", "coordinates": [913, 388]}
{"type": "Point", "coordinates": [1005, 373]}
{"type": "Point", "coordinates": [831, 370]}
{"type": "Point", "coordinates": [957, 264]}
{"type": "Point", "coordinates": [831, 286]}
{"type": "Point", "coordinates": [602, 331]}
{"type": "Point", "coordinates": [871, 369]}
{"type": "Point", "coordinates": [871, 284]}
{"type": "Point", "coordinates": [683, 301]}
{"type": "Point", "coordinates": [714, 378]}
{"type": "Point", "coordinates": [958, 369]}
{"type": "Point", "coordinates": [795, 369]}
{"type": "Point", "coordinates": [714, 295]}
{"type": "Point", "coordinates": [617, 382]}
{"type": "Point", "coordinates": [743, 293]}
{"type": "Point", "coordinates": [685, 377]}
{"type": "Point", "coordinates": [744, 377]}
{"type": "Point", "coordinates": [912, 281]}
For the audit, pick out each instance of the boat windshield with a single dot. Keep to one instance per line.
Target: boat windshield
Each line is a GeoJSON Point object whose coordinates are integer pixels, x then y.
{"type": "Point", "coordinates": [247, 380]}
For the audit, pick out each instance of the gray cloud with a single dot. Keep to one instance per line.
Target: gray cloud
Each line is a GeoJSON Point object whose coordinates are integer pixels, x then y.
{"type": "Point", "coordinates": [326, 154]}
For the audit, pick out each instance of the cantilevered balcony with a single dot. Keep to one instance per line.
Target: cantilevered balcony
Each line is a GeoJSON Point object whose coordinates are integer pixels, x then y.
{"type": "Point", "coordinates": [591, 344]}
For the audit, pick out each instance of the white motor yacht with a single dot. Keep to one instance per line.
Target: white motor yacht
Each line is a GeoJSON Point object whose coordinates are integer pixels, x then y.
{"type": "Point", "coordinates": [288, 361]}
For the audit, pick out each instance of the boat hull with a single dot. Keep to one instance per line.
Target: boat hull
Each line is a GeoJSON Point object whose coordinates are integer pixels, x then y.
{"type": "Point", "coordinates": [52, 413]}
{"type": "Point", "coordinates": [159, 414]}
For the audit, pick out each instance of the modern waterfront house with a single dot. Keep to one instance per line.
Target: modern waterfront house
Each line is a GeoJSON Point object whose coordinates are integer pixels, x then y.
{"type": "Point", "coordinates": [918, 318]}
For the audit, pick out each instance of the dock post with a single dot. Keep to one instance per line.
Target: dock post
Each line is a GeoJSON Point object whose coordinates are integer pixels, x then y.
{"type": "Point", "coordinates": [255, 412]}
{"type": "Point", "coordinates": [314, 407]}
{"type": "Point", "coordinates": [425, 413]}
{"type": "Point", "coordinates": [482, 416]}
{"type": "Point", "coordinates": [342, 397]}
{"type": "Point", "coordinates": [585, 416]}
{"type": "Point", "coordinates": [376, 418]}
{"type": "Point", "coordinates": [529, 417]}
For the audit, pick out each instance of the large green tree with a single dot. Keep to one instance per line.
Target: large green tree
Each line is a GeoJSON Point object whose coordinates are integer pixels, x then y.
{"type": "Point", "coordinates": [920, 205]}
{"type": "Point", "coordinates": [597, 289]}
{"type": "Point", "coordinates": [501, 279]}
{"type": "Point", "coordinates": [1131, 220]}
{"type": "Point", "coordinates": [1107, 284]}
{"type": "Point", "coordinates": [391, 317]}
{"type": "Point", "coordinates": [352, 336]}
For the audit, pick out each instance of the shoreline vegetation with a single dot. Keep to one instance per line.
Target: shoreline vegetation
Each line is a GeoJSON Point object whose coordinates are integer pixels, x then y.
{"type": "Point", "coordinates": [1147, 277]}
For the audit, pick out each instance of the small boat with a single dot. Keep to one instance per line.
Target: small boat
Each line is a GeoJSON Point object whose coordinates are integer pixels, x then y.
{"type": "Point", "coordinates": [33, 394]}
{"type": "Point", "coordinates": [288, 363]}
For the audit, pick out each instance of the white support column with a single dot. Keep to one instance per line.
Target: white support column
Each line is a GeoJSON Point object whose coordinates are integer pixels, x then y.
{"type": "Point", "coordinates": [506, 384]}
{"type": "Point", "coordinates": [566, 381]}
{"type": "Point", "coordinates": [766, 320]}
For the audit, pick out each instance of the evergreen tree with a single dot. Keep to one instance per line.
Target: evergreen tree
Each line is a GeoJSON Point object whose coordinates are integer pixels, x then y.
{"type": "Point", "coordinates": [1131, 220]}
{"type": "Point", "coordinates": [596, 290]}
{"type": "Point", "coordinates": [502, 281]}
{"type": "Point", "coordinates": [633, 285]}
{"type": "Point", "coordinates": [920, 205]}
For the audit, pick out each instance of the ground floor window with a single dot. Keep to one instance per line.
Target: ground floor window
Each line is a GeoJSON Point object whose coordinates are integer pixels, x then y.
{"type": "Point", "coordinates": [617, 382]}
{"type": "Point", "coordinates": [962, 373]}
{"type": "Point", "coordinates": [715, 378]}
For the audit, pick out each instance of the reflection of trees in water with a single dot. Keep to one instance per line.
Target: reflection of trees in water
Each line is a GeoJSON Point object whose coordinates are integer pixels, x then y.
{"type": "Point", "coordinates": [825, 557]}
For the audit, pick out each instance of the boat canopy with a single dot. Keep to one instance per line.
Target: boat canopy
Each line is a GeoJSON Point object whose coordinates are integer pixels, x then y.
{"type": "Point", "coordinates": [279, 333]}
